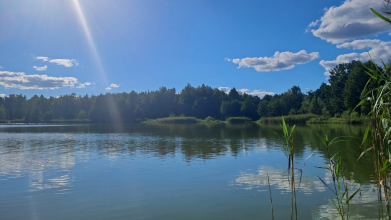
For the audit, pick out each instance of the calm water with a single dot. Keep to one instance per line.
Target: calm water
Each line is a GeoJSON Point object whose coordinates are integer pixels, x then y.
{"type": "Point", "coordinates": [171, 172]}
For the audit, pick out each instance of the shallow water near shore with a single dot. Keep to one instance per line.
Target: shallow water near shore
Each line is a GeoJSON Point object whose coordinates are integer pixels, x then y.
{"type": "Point", "coordinates": [196, 171]}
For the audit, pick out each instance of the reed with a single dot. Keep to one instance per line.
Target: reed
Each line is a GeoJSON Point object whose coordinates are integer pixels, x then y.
{"type": "Point", "coordinates": [340, 187]}
{"type": "Point", "coordinates": [288, 149]}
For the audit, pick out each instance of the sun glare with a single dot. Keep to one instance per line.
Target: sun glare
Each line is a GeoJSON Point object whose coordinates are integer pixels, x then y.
{"type": "Point", "coordinates": [115, 116]}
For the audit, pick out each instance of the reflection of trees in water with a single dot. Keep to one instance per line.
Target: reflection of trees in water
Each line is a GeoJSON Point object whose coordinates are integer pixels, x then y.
{"type": "Point", "coordinates": [38, 148]}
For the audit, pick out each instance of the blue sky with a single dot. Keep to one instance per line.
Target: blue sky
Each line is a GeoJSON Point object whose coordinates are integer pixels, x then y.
{"type": "Point", "coordinates": [96, 46]}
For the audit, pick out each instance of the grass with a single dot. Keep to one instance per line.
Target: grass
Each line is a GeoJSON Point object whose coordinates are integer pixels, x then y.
{"type": "Point", "coordinates": [51, 121]}
{"type": "Point", "coordinates": [338, 121]}
{"type": "Point", "coordinates": [193, 120]}
{"type": "Point", "coordinates": [238, 120]}
{"type": "Point", "coordinates": [311, 119]}
{"type": "Point", "coordinates": [290, 119]}
{"type": "Point", "coordinates": [173, 120]}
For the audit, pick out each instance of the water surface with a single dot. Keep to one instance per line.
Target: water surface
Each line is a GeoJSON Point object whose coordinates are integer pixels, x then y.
{"type": "Point", "coordinates": [172, 172]}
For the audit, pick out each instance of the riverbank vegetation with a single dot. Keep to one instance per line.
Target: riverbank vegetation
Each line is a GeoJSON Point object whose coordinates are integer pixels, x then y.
{"type": "Point", "coordinates": [193, 120]}
{"type": "Point", "coordinates": [332, 102]}
{"type": "Point", "coordinates": [353, 118]}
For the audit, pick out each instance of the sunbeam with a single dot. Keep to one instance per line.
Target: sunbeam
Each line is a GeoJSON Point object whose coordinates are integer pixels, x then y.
{"type": "Point", "coordinates": [90, 40]}
{"type": "Point", "coordinates": [114, 113]}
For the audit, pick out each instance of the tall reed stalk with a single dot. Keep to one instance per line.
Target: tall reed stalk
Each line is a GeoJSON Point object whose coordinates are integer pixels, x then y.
{"type": "Point", "coordinates": [340, 186]}
{"type": "Point", "coordinates": [380, 127]}
{"type": "Point", "coordinates": [378, 93]}
{"type": "Point", "coordinates": [287, 138]}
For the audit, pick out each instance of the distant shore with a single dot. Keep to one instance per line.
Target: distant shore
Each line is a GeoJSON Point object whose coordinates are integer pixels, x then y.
{"type": "Point", "coordinates": [290, 119]}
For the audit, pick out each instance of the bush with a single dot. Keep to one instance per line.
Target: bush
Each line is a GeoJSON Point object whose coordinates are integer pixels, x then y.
{"type": "Point", "coordinates": [354, 115]}
{"type": "Point", "coordinates": [173, 120]}
{"type": "Point", "coordinates": [293, 112]}
{"type": "Point", "coordinates": [209, 118]}
{"type": "Point", "coordinates": [238, 120]}
{"type": "Point", "coordinates": [345, 114]}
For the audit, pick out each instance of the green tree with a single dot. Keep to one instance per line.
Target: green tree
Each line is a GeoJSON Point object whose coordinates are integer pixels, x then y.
{"type": "Point", "coordinates": [315, 107]}
{"type": "Point", "coordinates": [3, 113]}
{"type": "Point", "coordinates": [48, 115]}
{"type": "Point", "coordinates": [249, 108]}
{"type": "Point", "coordinates": [338, 78]}
{"type": "Point", "coordinates": [82, 115]}
{"type": "Point", "coordinates": [355, 84]}
{"type": "Point", "coordinates": [262, 108]}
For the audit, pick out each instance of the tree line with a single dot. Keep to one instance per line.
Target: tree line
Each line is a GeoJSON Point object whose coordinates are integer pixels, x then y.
{"type": "Point", "coordinates": [340, 95]}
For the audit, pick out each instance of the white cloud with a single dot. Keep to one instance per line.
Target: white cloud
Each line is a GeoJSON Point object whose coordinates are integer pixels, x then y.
{"type": "Point", "coordinates": [83, 85]}
{"type": "Point", "coordinates": [349, 21]}
{"type": "Point", "coordinates": [42, 58]}
{"type": "Point", "coordinates": [1, 67]}
{"type": "Point", "coordinates": [380, 50]}
{"type": "Point", "coordinates": [65, 62]}
{"type": "Point", "coordinates": [40, 68]}
{"type": "Point", "coordinates": [225, 89]}
{"type": "Point", "coordinates": [280, 61]}
{"type": "Point", "coordinates": [258, 93]}
{"type": "Point", "coordinates": [227, 59]}
{"type": "Point", "coordinates": [114, 85]}
{"type": "Point", "coordinates": [108, 88]}
{"type": "Point", "coordinates": [2, 95]}
{"type": "Point", "coordinates": [22, 81]}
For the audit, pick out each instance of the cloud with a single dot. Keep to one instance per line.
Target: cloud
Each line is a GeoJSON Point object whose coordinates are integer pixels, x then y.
{"type": "Point", "coordinates": [83, 85]}
{"type": "Point", "coordinates": [65, 62]}
{"type": "Point", "coordinates": [1, 67]}
{"type": "Point", "coordinates": [42, 68]}
{"type": "Point", "coordinates": [351, 20]}
{"type": "Point", "coordinates": [258, 93]}
{"type": "Point", "coordinates": [42, 58]}
{"type": "Point", "coordinates": [112, 86]}
{"type": "Point", "coordinates": [22, 81]}
{"type": "Point", "coordinates": [2, 95]}
{"type": "Point", "coordinates": [280, 61]}
{"type": "Point", "coordinates": [380, 50]}
{"type": "Point", "coordinates": [225, 89]}
{"type": "Point", "coordinates": [227, 59]}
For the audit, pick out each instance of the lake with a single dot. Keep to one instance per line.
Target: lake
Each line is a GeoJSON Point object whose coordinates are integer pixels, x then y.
{"type": "Point", "coordinates": [171, 172]}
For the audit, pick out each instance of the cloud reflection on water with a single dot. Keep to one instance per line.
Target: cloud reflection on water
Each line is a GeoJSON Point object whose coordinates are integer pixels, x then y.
{"type": "Point", "coordinates": [278, 179]}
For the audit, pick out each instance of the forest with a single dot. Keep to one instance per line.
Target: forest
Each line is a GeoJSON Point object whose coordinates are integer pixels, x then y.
{"type": "Point", "coordinates": [337, 99]}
